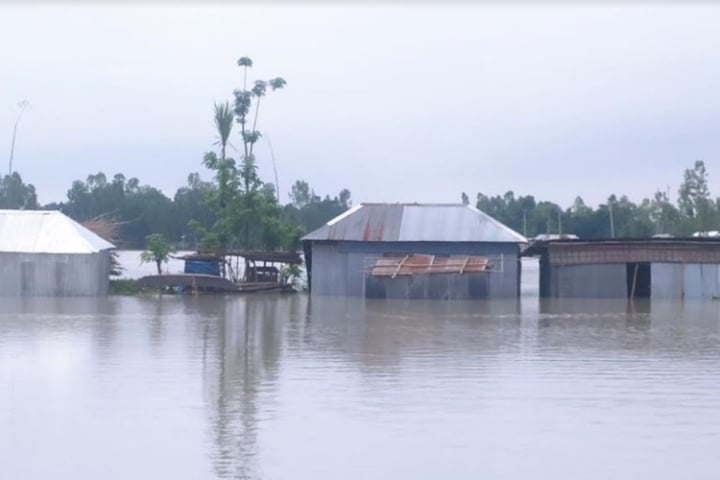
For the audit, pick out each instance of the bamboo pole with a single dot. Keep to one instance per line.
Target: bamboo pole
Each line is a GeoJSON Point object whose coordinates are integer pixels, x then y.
{"type": "Point", "coordinates": [634, 283]}
{"type": "Point", "coordinates": [397, 270]}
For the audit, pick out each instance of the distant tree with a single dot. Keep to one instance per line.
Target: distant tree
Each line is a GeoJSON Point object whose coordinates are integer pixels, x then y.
{"type": "Point", "coordinates": [14, 193]}
{"type": "Point", "coordinates": [157, 250]}
{"type": "Point", "coordinates": [663, 213]}
{"type": "Point", "coordinates": [308, 210]}
{"type": "Point", "coordinates": [694, 196]}
{"type": "Point", "coordinates": [301, 195]}
{"type": "Point", "coordinates": [191, 205]}
{"type": "Point", "coordinates": [693, 192]}
{"type": "Point", "coordinates": [465, 199]}
{"type": "Point", "coordinates": [345, 198]}
{"type": "Point", "coordinates": [139, 209]}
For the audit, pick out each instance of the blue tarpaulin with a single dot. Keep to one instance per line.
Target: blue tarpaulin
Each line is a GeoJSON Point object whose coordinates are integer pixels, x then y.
{"type": "Point", "coordinates": [208, 267]}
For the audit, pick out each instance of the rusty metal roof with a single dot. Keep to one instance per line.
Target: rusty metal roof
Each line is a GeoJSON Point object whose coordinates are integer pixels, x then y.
{"type": "Point", "coordinates": [427, 264]}
{"type": "Point", "coordinates": [415, 222]}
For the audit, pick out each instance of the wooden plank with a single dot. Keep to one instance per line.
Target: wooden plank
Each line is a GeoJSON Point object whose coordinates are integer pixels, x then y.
{"type": "Point", "coordinates": [400, 266]}
{"type": "Point", "coordinates": [462, 269]}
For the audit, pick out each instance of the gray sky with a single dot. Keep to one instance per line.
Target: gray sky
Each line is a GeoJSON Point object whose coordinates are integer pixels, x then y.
{"type": "Point", "coordinates": [396, 104]}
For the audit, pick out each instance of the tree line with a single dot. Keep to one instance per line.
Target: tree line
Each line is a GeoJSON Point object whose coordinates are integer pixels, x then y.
{"type": "Point", "coordinates": [618, 217]}
{"type": "Point", "coordinates": [203, 215]}
{"type": "Point", "coordinates": [184, 219]}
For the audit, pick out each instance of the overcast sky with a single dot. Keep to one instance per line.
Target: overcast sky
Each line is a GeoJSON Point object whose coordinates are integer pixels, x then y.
{"type": "Point", "coordinates": [395, 104]}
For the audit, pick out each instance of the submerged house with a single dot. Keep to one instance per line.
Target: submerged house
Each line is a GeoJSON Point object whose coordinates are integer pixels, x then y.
{"type": "Point", "coordinates": [394, 250]}
{"type": "Point", "coordinates": [657, 268]}
{"type": "Point", "coordinates": [45, 253]}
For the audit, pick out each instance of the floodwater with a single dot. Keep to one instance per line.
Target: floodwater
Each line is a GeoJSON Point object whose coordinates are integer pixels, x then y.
{"type": "Point", "coordinates": [293, 387]}
{"type": "Point", "coordinates": [134, 268]}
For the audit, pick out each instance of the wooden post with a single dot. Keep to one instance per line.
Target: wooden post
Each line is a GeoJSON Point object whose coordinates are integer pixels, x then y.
{"type": "Point", "coordinates": [634, 283]}
{"type": "Point", "coordinates": [462, 269]}
{"type": "Point", "coordinates": [400, 266]}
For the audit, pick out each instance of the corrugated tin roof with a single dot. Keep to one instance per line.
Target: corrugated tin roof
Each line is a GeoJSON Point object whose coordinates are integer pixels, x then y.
{"type": "Point", "coordinates": [414, 222]}
{"type": "Point", "coordinates": [41, 231]}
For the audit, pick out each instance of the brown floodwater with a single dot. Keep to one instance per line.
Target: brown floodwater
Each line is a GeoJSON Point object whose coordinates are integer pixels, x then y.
{"type": "Point", "coordinates": [293, 387]}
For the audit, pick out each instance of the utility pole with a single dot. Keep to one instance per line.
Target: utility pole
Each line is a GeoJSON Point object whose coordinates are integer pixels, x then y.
{"type": "Point", "coordinates": [525, 223]}
{"type": "Point", "coordinates": [612, 221]}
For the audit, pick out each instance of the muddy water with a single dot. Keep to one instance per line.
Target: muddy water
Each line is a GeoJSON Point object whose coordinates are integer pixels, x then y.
{"type": "Point", "coordinates": [290, 387]}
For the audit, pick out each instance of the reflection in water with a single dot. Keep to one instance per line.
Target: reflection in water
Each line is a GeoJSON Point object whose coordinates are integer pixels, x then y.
{"type": "Point", "coordinates": [271, 386]}
{"type": "Point", "coordinates": [241, 356]}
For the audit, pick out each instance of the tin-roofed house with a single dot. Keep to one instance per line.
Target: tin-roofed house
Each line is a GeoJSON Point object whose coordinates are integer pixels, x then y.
{"type": "Point", "coordinates": [393, 250]}
{"type": "Point", "coordinates": [632, 268]}
{"type": "Point", "coordinates": [45, 253]}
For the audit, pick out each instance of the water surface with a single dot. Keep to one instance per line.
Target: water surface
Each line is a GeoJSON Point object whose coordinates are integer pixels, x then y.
{"type": "Point", "coordinates": [289, 387]}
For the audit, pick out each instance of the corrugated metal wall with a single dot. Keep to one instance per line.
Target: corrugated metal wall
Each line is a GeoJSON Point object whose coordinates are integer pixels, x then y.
{"type": "Point", "coordinates": [667, 280]}
{"type": "Point", "coordinates": [35, 274]}
{"type": "Point", "coordinates": [688, 280]}
{"type": "Point", "coordinates": [339, 268]}
{"type": "Point", "coordinates": [436, 286]}
{"type": "Point", "coordinates": [591, 281]}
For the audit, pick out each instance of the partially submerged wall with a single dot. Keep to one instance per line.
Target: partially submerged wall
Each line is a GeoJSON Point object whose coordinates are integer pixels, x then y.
{"type": "Point", "coordinates": [45, 274]}
{"type": "Point", "coordinates": [591, 281]}
{"type": "Point", "coordinates": [685, 280]}
{"type": "Point", "coordinates": [341, 268]}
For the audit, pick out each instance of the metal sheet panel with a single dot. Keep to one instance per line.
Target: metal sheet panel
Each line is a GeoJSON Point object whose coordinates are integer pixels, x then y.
{"type": "Point", "coordinates": [329, 275]}
{"type": "Point", "coordinates": [589, 281]}
{"type": "Point", "coordinates": [666, 280]}
{"type": "Point", "coordinates": [453, 223]}
{"type": "Point", "coordinates": [27, 231]}
{"type": "Point", "coordinates": [431, 248]}
{"type": "Point", "coordinates": [701, 281]}
{"type": "Point", "coordinates": [506, 284]}
{"type": "Point", "coordinates": [709, 279]}
{"type": "Point", "coordinates": [395, 222]}
{"type": "Point", "coordinates": [692, 280]}
{"type": "Point", "coordinates": [434, 287]}
{"type": "Point", "coordinates": [363, 223]}
{"type": "Point", "coordinates": [26, 274]}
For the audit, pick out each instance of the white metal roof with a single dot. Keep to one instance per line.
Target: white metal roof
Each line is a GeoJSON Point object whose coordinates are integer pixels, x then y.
{"type": "Point", "coordinates": [414, 222]}
{"type": "Point", "coordinates": [46, 231]}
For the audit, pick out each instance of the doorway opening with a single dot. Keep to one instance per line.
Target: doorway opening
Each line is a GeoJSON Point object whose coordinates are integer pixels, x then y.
{"type": "Point", "coordinates": [638, 280]}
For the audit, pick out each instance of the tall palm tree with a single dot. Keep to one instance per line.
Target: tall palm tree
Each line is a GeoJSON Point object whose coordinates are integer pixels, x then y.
{"type": "Point", "coordinates": [245, 63]}
{"type": "Point", "coordinates": [224, 117]}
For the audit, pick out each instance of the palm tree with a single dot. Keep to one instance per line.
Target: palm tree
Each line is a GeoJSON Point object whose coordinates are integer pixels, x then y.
{"type": "Point", "coordinates": [245, 62]}
{"type": "Point", "coordinates": [224, 117]}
